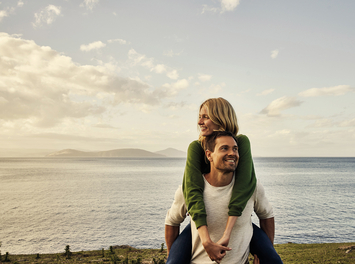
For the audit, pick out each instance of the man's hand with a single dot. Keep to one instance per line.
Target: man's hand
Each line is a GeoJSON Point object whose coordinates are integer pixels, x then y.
{"type": "Point", "coordinates": [215, 251]}
{"type": "Point", "coordinates": [256, 260]}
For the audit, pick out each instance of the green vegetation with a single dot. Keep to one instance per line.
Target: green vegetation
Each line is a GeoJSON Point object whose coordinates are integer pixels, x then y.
{"type": "Point", "coordinates": [335, 253]}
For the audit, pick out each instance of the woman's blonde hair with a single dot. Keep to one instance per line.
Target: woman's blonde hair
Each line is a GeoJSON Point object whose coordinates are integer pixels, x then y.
{"type": "Point", "coordinates": [221, 113]}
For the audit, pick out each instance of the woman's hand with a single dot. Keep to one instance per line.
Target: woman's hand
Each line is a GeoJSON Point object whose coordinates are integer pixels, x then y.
{"type": "Point", "coordinates": [224, 241]}
{"type": "Point", "coordinates": [216, 252]}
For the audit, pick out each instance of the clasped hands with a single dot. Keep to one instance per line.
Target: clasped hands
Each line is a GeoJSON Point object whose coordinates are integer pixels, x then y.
{"type": "Point", "coordinates": [217, 251]}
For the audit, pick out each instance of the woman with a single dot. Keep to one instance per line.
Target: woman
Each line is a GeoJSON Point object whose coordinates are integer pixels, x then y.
{"type": "Point", "coordinates": [214, 114]}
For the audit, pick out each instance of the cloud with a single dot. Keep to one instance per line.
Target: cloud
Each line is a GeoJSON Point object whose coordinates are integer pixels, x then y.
{"type": "Point", "coordinates": [206, 8]}
{"type": "Point", "coordinates": [226, 5]}
{"type": "Point", "coordinates": [280, 104]}
{"type": "Point", "coordinates": [120, 41]}
{"type": "Point", "coordinates": [43, 87]}
{"type": "Point", "coordinates": [6, 12]}
{"type": "Point", "coordinates": [170, 89]}
{"type": "Point", "coordinates": [139, 59]}
{"type": "Point", "coordinates": [229, 5]}
{"type": "Point", "coordinates": [89, 4]}
{"type": "Point", "coordinates": [3, 13]}
{"type": "Point", "coordinates": [274, 53]}
{"type": "Point", "coordinates": [204, 77]}
{"type": "Point", "coordinates": [93, 45]}
{"type": "Point", "coordinates": [323, 122]}
{"type": "Point", "coordinates": [171, 53]}
{"type": "Point", "coordinates": [173, 75]}
{"type": "Point", "coordinates": [265, 92]}
{"type": "Point", "coordinates": [327, 91]}
{"type": "Point", "coordinates": [46, 15]}
{"type": "Point", "coordinates": [348, 123]}
{"type": "Point", "coordinates": [104, 126]}
{"type": "Point", "coordinates": [20, 3]}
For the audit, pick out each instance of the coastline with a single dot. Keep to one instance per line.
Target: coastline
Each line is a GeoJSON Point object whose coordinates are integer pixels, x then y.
{"type": "Point", "coordinates": [290, 254]}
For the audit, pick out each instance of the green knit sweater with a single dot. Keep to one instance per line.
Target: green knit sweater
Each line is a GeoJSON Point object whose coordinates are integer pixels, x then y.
{"type": "Point", "coordinates": [193, 183]}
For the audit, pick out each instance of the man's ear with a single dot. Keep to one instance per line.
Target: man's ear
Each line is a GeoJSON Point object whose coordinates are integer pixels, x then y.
{"type": "Point", "coordinates": [208, 154]}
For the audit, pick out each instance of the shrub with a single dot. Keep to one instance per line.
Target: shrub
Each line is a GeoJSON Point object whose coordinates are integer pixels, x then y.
{"type": "Point", "coordinates": [67, 252]}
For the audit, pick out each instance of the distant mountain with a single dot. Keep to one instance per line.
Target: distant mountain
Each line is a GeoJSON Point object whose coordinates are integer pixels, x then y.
{"type": "Point", "coordinates": [109, 153]}
{"type": "Point", "coordinates": [171, 152]}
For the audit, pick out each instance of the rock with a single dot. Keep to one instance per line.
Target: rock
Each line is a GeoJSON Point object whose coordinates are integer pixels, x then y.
{"type": "Point", "coordinates": [347, 247]}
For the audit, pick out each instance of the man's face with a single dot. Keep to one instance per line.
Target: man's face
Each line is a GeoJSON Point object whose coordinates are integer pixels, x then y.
{"type": "Point", "coordinates": [225, 156]}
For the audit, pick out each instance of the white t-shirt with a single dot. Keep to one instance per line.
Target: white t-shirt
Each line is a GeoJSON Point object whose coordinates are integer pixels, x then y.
{"type": "Point", "coordinates": [216, 203]}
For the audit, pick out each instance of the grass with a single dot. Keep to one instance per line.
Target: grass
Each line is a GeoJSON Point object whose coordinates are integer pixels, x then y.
{"type": "Point", "coordinates": [335, 253]}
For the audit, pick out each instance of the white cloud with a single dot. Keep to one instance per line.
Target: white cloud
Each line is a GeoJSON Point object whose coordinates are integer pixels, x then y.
{"type": "Point", "coordinates": [120, 41]}
{"type": "Point", "coordinates": [229, 5]}
{"type": "Point", "coordinates": [348, 123]}
{"type": "Point", "coordinates": [20, 3]}
{"type": "Point", "coordinates": [204, 77]}
{"type": "Point", "coordinates": [89, 4]}
{"type": "Point", "coordinates": [274, 53]}
{"type": "Point", "coordinates": [41, 87]}
{"type": "Point", "coordinates": [93, 45]}
{"type": "Point", "coordinates": [173, 74]}
{"type": "Point", "coordinates": [327, 91]}
{"type": "Point", "coordinates": [206, 8]}
{"type": "Point", "coordinates": [3, 13]}
{"type": "Point", "coordinates": [280, 104]}
{"type": "Point", "coordinates": [216, 88]}
{"type": "Point", "coordinates": [174, 88]}
{"type": "Point", "coordinates": [265, 92]}
{"type": "Point", "coordinates": [160, 68]}
{"type": "Point", "coordinates": [139, 59]}
{"type": "Point", "coordinates": [6, 12]}
{"type": "Point", "coordinates": [226, 5]}
{"type": "Point", "coordinates": [283, 132]}
{"type": "Point", "coordinates": [323, 122]}
{"type": "Point", "coordinates": [171, 53]}
{"type": "Point", "coordinates": [47, 15]}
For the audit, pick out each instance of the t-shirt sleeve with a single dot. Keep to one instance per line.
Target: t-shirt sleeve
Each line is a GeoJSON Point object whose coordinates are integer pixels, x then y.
{"type": "Point", "coordinates": [177, 212]}
{"type": "Point", "coordinates": [193, 183]}
{"type": "Point", "coordinates": [262, 207]}
{"type": "Point", "coordinates": [245, 179]}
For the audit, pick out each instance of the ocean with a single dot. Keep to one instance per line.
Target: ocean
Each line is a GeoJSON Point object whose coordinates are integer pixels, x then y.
{"type": "Point", "coordinates": [93, 203]}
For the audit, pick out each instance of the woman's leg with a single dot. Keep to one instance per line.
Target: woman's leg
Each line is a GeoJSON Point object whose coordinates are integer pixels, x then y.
{"type": "Point", "coordinates": [180, 252]}
{"type": "Point", "coordinates": [261, 245]}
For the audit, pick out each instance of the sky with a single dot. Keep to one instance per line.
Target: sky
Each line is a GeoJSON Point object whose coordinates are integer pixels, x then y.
{"type": "Point", "coordinates": [100, 75]}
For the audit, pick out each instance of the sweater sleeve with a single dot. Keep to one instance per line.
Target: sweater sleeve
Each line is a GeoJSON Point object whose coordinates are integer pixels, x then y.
{"type": "Point", "coordinates": [245, 180]}
{"type": "Point", "coordinates": [193, 183]}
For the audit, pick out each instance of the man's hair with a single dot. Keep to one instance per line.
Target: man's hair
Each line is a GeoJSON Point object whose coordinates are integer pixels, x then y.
{"type": "Point", "coordinates": [210, 142]}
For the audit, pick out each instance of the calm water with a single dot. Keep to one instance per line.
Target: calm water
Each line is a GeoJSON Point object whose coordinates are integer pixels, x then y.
{"type": "Point", "coordinates": [92, 203]}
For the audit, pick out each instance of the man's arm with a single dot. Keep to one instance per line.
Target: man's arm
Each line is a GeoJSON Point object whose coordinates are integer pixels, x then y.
{"type": "Point", "coordinates": [171, 233]}
{"type": "Point", "coordinates": [268, 226]}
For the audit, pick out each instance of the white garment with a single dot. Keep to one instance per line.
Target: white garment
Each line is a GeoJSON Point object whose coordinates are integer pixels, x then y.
{"type": "Point", "coordinates": [216, 203]}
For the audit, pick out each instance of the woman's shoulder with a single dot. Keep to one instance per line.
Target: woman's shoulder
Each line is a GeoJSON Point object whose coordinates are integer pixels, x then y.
{"type": "Point", "coordinates": [242, 138]}
{"type": "Point", "coordinates": [195, 144]}
{"type": "Point", "coordinates": [195, 150]}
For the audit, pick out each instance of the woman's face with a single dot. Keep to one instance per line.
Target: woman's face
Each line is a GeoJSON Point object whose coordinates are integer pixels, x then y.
{"type": "Point", "coordinates": [205, 123]}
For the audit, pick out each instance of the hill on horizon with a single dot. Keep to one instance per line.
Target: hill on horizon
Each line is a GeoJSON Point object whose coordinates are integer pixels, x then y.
{"type": "Point", "coordinates": [126, 152]}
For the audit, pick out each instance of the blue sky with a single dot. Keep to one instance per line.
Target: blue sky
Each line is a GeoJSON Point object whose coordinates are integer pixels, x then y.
{"type": "Point", "coordinates": [100, 75]}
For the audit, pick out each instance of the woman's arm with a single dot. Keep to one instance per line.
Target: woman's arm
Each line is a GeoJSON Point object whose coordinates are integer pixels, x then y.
{"type": "Point", "coordinates": [193, 183]}
{"type": "Point", "coordinates": [243, 189]}
{"type": "Point", "coordinates": [245, 180]}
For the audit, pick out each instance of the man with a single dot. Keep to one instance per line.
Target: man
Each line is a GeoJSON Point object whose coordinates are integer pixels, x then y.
{"type": "Point", "coordinates": [222, 152]}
